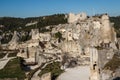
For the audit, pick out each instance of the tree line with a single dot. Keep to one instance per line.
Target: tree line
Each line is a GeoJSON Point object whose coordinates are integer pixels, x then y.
{"type": "Point", "coordinates": [12, 23]}
{"type": "Point", "coordinates": [116, 21]}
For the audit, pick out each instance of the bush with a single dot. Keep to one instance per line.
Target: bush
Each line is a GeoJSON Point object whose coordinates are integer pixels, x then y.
{"type": "Point", "coordinates": [59, 36]}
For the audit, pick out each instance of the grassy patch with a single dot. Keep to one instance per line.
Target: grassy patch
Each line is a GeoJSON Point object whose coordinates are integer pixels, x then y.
{"type": "Point", "coordinates": [54, 68]}
{"type": "Point", "coordinates": [113, 64]}
{"type": "Point", "coordinates": [13, 70]}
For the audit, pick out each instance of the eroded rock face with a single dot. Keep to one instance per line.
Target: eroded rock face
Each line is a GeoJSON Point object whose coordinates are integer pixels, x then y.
{"type": "Point", "coordinates": [14, 41]}
{"type": "Point", "coordinates": [15, 38]}
{"type": "Point", "coordinates": [44, 36]}
{"type": "Point", "coordinates": [35, 33]}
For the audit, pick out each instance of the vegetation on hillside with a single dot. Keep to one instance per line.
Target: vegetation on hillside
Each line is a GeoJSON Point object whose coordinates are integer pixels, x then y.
{"type": "Point", "coordinates": [6, 38]}
{"type": "Point", "coordinates": [2, 55]}
{"type": "Point", "coordinates": [59, 36]}
{"type": "Point", "coordinates": [114, 63]}
{"type": "Point", "coordinates": [54, 68]}
{"type": "Point", "coordinates": [11, 23]}
{"type": "Point", "coordinates": [13, 70]}
{"type": "Point", "coordinates": [116, 21]}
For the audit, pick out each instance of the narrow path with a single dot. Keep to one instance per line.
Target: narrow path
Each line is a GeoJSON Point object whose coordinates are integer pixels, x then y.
{"type": "Point", "coordinates": [4, 61]}
{"type": "Point", "coordinates": [77, 73]}
{"type": "Point", "coordinates": [35, 76]}
{"type": "Point", "coordinates": [6, 56]}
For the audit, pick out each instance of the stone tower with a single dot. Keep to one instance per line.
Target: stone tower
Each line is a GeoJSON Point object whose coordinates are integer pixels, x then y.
{"type": "Point", "coordinates": [94, 65]}
{"type": "Point", "coordinates": [106, 29]}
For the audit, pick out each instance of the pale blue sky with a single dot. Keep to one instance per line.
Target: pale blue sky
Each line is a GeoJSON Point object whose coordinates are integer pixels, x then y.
{"type": "Point", "coordinates": [32, 8]}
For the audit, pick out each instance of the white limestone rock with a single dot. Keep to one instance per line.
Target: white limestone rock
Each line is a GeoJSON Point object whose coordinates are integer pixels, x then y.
{"type": "Point", "coordinates": [35, 33]}
{"type": "Point", "coordinates": [15, 38]}
{"type": "Point", "coordinates": [14, 41]}
{"type": "Point", "coordinates": [32, 23]}
{"type": "Point", "coordinates": [96, 24]}
{"type": "Point", "coordinates": [44, 36]}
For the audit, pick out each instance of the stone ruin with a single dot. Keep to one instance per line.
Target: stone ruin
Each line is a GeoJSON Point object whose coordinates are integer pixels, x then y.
{"type": "Point", "coordinates": [75, 17]}
{"type": "Point", "coordinates": [88, 41]}
{"type": "Point", "coordinates": [95, 37]}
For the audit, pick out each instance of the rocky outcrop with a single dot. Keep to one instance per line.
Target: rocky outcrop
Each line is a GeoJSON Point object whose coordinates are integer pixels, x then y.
{"type": "Point", "coordinates": [44, 37]}
{"type": "Point", "coordinates": [35, 33]}
{"type": "Point", "coordinates": [14, 41]}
